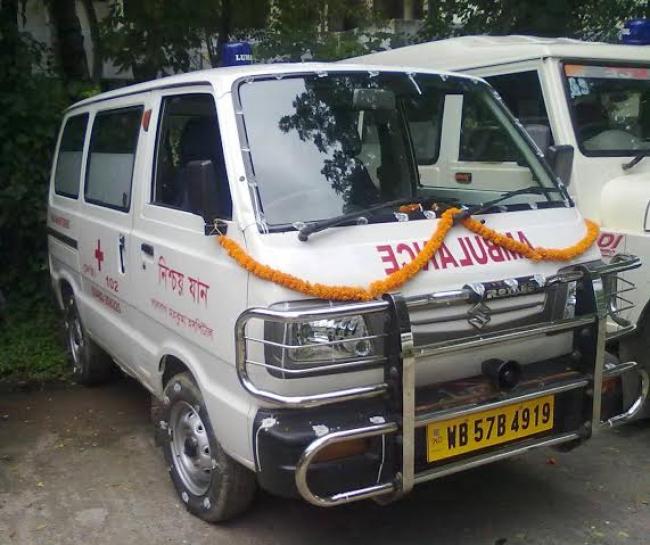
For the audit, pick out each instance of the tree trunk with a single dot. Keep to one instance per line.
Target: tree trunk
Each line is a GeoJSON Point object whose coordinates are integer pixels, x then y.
{"type": "Point", "coordinates": [225, 27]}
{"type": "Point", "coordinates": [98, 55]}
{"type": "Point", "coordinates": [69, 40]}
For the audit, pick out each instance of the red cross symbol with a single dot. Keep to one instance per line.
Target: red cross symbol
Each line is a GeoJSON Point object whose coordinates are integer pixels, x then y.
{"type": "Point", "coordinates": [99, 255]}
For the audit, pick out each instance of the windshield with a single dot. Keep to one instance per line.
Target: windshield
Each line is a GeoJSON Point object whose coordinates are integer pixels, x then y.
{"type": "Point", "coordinates": [611, 108]}
{"type": "Point", "coordinates": [322, 145]}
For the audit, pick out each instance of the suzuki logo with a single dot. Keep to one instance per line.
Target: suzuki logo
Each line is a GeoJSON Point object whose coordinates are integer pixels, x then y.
{"type": "Point", "coordinates": [479, 315]}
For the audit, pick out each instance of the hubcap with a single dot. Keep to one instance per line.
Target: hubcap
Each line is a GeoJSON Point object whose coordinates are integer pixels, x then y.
{"type": "Point", "coordinates": [190, 448]}
{"type": "Point", "coordinates": [75, 340]}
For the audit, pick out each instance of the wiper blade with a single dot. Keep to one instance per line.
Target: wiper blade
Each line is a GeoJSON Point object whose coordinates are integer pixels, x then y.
{"type": "Point", "coordinates": [637, 159]}
{"type": "Point", "coordinates": [315, 227]}
{"type": "Point", "coordinates": [532, 190]}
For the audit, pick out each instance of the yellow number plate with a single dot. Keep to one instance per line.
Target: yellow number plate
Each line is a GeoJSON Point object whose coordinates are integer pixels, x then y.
{"type": "Point", "coordinates": [484, 429]}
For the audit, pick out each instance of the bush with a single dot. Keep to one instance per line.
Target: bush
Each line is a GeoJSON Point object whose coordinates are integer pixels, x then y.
{"type": "Point", "coordinates": [30, 112]}
{"type": "Point", "coordinates": [31, 342]}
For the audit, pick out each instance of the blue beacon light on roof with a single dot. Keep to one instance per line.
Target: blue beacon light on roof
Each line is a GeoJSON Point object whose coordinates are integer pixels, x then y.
{"type": "Point", "coordinates": [236, 54]}
{"type": "Point", "coordinates": [636, 32]}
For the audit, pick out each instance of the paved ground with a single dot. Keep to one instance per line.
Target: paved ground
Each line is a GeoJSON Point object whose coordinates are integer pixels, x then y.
{"type": "Point", "coordinates": [79, 466]}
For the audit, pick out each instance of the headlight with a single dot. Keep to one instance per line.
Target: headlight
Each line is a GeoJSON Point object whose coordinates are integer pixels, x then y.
{"type": "Point", "coordinates": [331, 340]}
{"type": "Point", "coordinates": [353, 340]}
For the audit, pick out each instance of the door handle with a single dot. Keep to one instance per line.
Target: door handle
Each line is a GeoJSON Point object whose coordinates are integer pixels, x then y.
{"type": "Point", "coordinates": [147, 249]}
{"type": "Point", "coordinates": [122, 245]}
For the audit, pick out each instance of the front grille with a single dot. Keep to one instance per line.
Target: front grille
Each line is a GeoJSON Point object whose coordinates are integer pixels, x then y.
{"type": "Point", "coordinates": [472, 311]}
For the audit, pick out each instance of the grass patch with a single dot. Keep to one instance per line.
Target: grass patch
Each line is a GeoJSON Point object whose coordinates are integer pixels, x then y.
{"type": "Point", "coordinates": [32, 347]}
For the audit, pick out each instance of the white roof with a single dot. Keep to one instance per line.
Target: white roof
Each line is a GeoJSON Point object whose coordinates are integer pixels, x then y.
{"type": "Point", "coordinates": [228, 75]}
{"type": "Point", "coordinates": [469, 52]}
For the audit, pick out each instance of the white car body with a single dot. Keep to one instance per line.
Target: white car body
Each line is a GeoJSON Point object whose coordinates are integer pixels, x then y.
{"type": "Point", "coordinates": [151, 286]}
{"type": "Point", "coordinates": [616, 198]}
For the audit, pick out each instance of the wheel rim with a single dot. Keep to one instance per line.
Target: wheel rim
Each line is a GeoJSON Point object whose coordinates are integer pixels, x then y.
{"type": "Point", "coordinates": [190, 448]}
{"type": "Point", "coordinates": [75, 339]}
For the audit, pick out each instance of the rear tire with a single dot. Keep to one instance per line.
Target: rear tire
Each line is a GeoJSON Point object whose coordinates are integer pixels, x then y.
{"type": "Point", "coordinates": [90, 364]}
{"type": "Point", "coordinates": [210, 483]}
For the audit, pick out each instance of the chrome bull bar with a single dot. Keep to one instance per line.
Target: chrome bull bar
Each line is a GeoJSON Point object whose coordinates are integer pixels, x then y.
{"type": "Point", "coordinates": [407, 422]}
{"type": "Point", "coordinates": [637, 405]}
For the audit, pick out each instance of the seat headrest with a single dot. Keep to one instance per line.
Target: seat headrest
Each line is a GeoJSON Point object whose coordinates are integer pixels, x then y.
{"type": "Point", "coordinates": [200, 140]}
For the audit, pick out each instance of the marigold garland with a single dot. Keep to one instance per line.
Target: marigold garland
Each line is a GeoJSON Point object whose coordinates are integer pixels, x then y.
{"type": "Point", "coordinates": [397, 279]}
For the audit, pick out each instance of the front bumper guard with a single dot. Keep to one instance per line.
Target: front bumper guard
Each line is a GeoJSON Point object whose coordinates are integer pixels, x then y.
{"type": "Point", "coordinates": [406, 478]}
{"type": "Point", "coordinates": [644, 388]}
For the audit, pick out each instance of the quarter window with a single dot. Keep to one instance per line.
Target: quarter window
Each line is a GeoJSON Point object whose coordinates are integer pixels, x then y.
{"type": "Point", "coordinates": [68, 161]}
{"type": "Point", "coordinates": [483, 138]}
{"type": "Point", "coordinates": [189, 132]}
{"type": "Point", "coordinates": [113, 143]}
{"type": "Point", "coordinates": [424, 115]}
{"type": "Point", "coordinates": [522, 93]}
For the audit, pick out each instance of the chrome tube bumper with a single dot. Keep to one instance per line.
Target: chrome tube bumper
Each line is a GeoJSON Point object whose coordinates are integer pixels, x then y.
{"type": "Point", "coordinates": [400, 377]}
{"type": "Point", "coordinates": [644, 388]}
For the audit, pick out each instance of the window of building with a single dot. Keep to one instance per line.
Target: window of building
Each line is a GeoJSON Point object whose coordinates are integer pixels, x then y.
{"type": "Point", "coordinates": [188, 132]}
{"type": "Point", "coordinates": [113, 143]}
{"type": "Point", "coordinates": [68, 161]}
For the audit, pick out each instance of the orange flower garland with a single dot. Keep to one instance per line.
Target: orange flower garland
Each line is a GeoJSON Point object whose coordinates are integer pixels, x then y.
{"type": "Point", "coordinates": [409, 208]}
{"type": "Point", "coordinates": [397, 279]}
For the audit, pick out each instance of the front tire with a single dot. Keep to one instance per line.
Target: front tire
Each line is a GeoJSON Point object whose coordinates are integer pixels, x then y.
{"type": "Point", "coordinates": [212, 485]}
{"type": "Point", "coordinates": [90, 364]}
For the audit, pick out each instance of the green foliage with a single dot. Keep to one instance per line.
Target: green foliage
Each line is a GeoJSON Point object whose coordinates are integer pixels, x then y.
{"type": "Point", "coordinates": [299, 30]}
{"type": "Point", "coordinates": [584, 19]}
{"type": "Point", "coordinates": [31, 341]}
{"type": "Point", "coordinates": [30, 347]}
{"type": "Point", "coordinates": [153, 38]}
{"type": "Point", "coordinates": [31, 111]}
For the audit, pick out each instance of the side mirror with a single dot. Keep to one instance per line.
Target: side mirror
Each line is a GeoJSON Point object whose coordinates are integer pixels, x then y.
{"type": "Point", "coordinates": [541, 135]}
{"type": "Point", "coordinates": [560, 158]}
{"type": "Point", "coordinates": [200, 178]}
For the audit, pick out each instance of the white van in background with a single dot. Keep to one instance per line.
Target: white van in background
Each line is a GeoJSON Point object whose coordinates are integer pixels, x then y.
{"type": "Point", "coordinates": [319, 171]}
{"type": "Point", "coordinates": [594, 97]}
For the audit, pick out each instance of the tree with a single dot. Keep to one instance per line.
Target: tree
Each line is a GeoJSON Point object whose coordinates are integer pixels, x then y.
{"type": "Point", "coordinates": [69, 45]}
{"type": "Point", "coordinates": [157, 37]}
{"type": "Point", "coordinates": [98, 56]}
{"type": "Point", "coordinates": [31, 108]}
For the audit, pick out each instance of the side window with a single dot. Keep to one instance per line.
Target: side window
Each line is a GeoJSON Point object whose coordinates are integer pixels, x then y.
{"type": "Point", "coordinates": [188, 131]}
{"type": "Point", "coordinates": [522, 93]}
{"type": "Point", "coordinates": [482, 137]}
{"type": "Point", "coordinates": [68, 161]}
{"type": "Point", "coordinates": [425, 123]}
{"type": "Point", "coordinates": [113, 142]}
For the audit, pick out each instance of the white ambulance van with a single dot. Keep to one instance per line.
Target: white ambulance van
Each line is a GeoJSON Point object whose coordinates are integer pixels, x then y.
{"type": "Point", "coordinates": [594, 97]}
{"type": "Point", "coordinates": [212, 234]}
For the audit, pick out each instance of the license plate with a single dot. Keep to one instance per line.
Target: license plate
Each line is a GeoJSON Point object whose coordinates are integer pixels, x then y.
{"type": "Point", "coordinates": [488, 428]}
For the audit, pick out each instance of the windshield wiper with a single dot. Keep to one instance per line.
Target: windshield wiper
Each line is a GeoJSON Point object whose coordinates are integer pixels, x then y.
{"type": "Point", "coordinates": [316, 226]}
{"type": "Point", "coordinates": [637, 159]}
{"type": "Point", "coordinates": [532, 190]}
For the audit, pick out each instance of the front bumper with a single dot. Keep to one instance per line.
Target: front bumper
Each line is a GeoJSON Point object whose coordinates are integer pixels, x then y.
{"type": "Point", "coordinates": [392, 416]}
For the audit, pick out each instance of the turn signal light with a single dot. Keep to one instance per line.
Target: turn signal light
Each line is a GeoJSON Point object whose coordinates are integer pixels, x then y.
{"type": "Point", "coordinates": [344, 449]}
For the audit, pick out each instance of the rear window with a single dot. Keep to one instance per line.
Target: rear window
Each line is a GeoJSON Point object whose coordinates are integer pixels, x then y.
{"type": "Point", "coordinates": [113, 142]}
{"type": "Point", "coordinates": [68, 161]}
